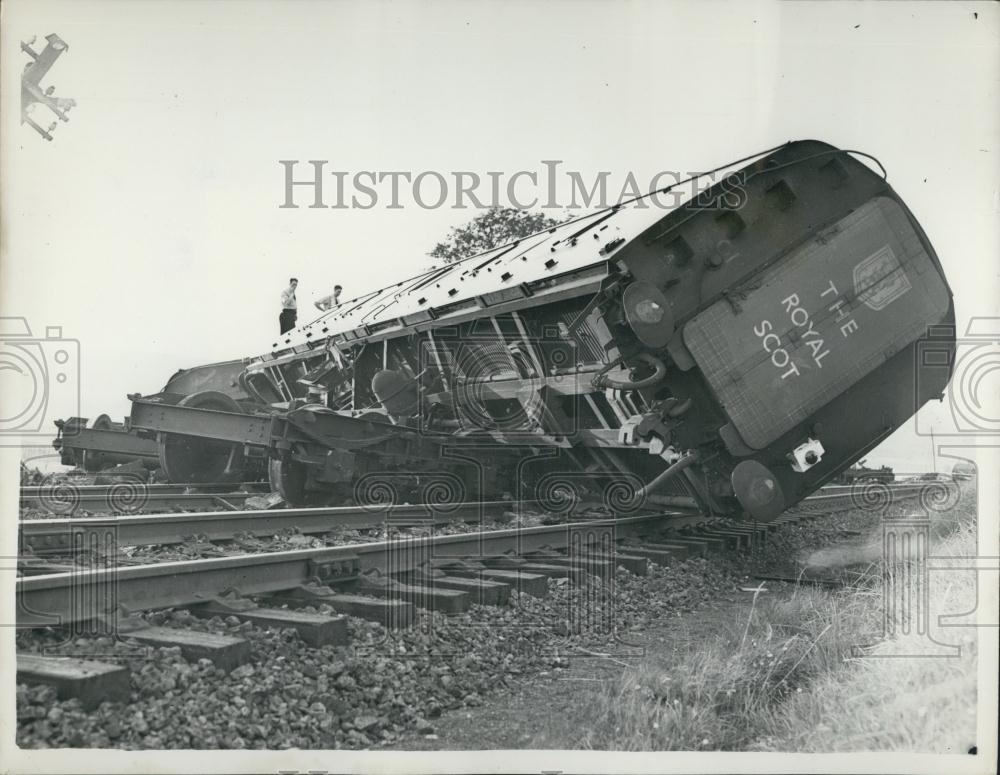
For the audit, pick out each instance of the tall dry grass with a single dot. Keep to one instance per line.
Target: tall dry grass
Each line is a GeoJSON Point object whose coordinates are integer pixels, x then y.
{"type": "Point", "coordinates": [787, 674]}
{"type": "Point", "coordinates": [911, 692]}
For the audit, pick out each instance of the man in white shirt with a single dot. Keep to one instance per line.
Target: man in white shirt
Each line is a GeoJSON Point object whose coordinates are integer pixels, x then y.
{"type": "Point", "coordinates": [288, 307]}
{"type": "Point", "coordinates": [330, 302]}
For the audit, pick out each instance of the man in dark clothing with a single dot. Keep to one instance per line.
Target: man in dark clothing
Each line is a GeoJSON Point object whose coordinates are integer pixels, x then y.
{"type": "Point", "coordinates": [288, 307]}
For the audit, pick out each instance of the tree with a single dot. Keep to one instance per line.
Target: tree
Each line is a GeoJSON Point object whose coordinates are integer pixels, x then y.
{"type": "Point", "coordinates": [490, 229]}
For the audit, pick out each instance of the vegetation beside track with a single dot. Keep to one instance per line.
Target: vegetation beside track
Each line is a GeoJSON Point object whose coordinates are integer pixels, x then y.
{"type": "Point", "coordinates": [784, 671]}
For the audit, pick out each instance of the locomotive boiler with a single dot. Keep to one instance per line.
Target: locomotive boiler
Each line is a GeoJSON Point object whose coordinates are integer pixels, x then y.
{"type": "Point", "coordinates": [736, 351]}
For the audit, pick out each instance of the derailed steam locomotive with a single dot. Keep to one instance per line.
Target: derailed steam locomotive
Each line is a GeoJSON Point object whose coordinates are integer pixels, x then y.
{"type": "Point", "coordinates": [738, 351]}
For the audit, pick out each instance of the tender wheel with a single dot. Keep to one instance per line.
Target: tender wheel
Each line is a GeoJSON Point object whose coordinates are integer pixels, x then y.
{"type": "Point", "coordinates": [288, 479]}
{"type": "Point", "coordinates": [193, 459]}
{"type": "Point", "coordinates": [92, 461]}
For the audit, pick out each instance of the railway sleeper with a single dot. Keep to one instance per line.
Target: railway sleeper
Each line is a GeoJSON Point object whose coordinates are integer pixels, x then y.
{"type": "Point", "coordinates": [660, 557]}
{"type": "Point", "coordinates": [593, 562]}
{"type": "Point", "coordinates": [633, 563]}
{"type": "Point", "coordinates": [835, 583]}
{"type": "Point", "coordinates": [391, 614]}
{"type": "Point", "coordinates": [519, 580]}
{"type": "Point", "coordinates": [664, 548]}
{"type": "Point", "coordinates": [730, 540]}
{"type": "Point", "coordinates": [711, 543]}
{"type": "Point", "coordinates": [550, 562]}
{"type": "Point", "coordinates": [760, 534]}
{"type": "Point", "coordinates": [660, 549]}
{"type": "Point", "coordinates": [795, 518]}
{"type": "Point", "coordinates": [697, 547]}
{"type": "Point", "coordinates": [753, 531]}
{"type": "Point", "coordinates": [575, 574]}
{"type": "Point", "coordinates": [429, 597]}
{"type": "Point", "coordinates": [593, 559]}
{"type": "Point", "coordinates": [315, 629]}
{"type": "Point", "coordinates": [480, 591]}
{"type": "Point", "coordinates": [224, 651]}
{"type": "Point", "coordinates": [88, 681]}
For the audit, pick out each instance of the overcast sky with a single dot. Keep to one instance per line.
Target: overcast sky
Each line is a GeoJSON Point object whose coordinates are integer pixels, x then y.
{"type": "Point", "coordinates": [150, 228]}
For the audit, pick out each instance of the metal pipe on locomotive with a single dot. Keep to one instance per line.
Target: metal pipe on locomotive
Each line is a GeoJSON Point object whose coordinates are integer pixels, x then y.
{"type": "Point", "coordinates": [737, 351]}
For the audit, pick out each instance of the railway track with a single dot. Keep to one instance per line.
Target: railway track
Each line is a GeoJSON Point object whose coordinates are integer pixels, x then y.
{"type": "Point", "coordinates": [131, 528]}
{"type": "Point", "coordinates": [108, 535]}
{"type": "Point", "coordinates": [53, 536]}
{"type": "Point", "coordinates": [384, 581]}
{"type": "Point", "coordinates": [138, 588]}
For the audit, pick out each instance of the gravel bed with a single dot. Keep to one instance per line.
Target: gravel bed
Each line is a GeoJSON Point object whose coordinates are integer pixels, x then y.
{"type": "Point", "coordinates": [382, 684]}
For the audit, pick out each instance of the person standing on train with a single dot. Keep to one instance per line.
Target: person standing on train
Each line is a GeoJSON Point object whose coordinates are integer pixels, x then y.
{"type": "Point", "coordinates": [286, 320]}
{"type": "Point", "coordinates": [330, 302]}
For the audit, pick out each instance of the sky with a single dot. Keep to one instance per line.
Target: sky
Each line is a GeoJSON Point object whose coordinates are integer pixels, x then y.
{"type": "Point", "coordinates": [150, 229]}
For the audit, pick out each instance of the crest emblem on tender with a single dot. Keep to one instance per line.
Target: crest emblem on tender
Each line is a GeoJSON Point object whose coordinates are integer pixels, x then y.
{"type": "Point", "coordinates": [880, 279]}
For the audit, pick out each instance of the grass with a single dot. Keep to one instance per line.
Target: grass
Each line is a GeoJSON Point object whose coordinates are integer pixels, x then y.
{"type": "Point", "coordinates": [785, 672]}
{"type": "Point", "coordinates": [894, 699]}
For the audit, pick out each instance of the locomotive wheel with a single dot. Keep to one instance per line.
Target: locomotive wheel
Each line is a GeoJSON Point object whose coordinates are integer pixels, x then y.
{"type": "Point", "coordinates": [92, 461]}
{"type": "Point", "coordinates": [288, 479]}
{"type": "Point", "coordinates": [194, 459]}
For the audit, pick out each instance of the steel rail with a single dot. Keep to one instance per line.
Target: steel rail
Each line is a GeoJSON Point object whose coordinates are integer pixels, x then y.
{"type": "Point", "coordinates": [62, 598]}
{"type": "Point", "coordinates": [127, 498]}
{"type": "Point", "coordinates": [53, 535]}
{"type": "Point", "coordinates": [859, 496]}
{"type": "Point", "coordinates": [54, 489]}
{"type": "Point", "coordinates": [133, 498]}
